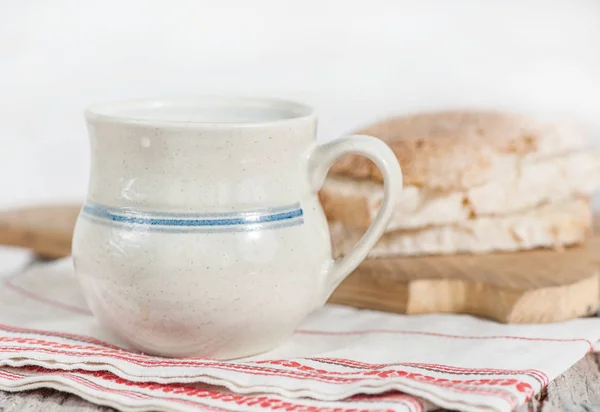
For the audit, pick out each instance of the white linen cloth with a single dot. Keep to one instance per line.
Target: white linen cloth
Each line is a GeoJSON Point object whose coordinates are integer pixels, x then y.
{"type": "Point", "coordinates": [340, 359]}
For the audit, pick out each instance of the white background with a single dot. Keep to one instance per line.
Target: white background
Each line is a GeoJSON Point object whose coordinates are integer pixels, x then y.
{"type": "Point", "coordinates": [354, 61]}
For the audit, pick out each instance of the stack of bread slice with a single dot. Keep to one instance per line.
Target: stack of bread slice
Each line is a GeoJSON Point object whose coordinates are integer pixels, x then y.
{"type": "Point", "coordinates": [474, 182]}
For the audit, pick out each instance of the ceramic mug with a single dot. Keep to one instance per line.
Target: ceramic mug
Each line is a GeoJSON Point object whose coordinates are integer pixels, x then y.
{"type": "Point", "coordinates": [202, 233]}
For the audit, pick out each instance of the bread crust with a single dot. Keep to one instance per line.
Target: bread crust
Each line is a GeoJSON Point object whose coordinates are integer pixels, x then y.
{"type": "Point", "coordinates": [453, 150]}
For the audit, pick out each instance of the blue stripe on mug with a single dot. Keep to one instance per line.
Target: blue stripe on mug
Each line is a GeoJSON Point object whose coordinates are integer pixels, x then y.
{"type": "Point", "coordinates": [133, 211]}
{"type": "Point", "coordinates": [250, 220]}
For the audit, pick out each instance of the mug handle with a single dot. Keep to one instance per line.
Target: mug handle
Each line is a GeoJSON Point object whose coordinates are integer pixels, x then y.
{"type": "Point", "coordinates": [321, 159]}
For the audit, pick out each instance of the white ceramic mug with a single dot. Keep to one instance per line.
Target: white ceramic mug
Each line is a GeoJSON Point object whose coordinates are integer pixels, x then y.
{"type": "Point", "coordinates": [202, 234]}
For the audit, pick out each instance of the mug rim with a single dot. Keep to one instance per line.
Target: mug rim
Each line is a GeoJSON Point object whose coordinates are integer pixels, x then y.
{"type": "Point", "coordinates": [108, 112]}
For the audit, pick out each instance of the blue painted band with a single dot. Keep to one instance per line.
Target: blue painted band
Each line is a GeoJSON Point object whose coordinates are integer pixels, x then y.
{"type": "Point", "coordinates": [197, 222]}
{"type": "Point", "coordinates": [199, 229]}
{"type": "Point", "coordinates": [133, 211]}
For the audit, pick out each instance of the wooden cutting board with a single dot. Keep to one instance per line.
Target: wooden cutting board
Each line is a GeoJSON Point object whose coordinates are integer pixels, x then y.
{"type": "Point", "coordinates": [523, 287]}
{"type": "Point", "coordinates": [46, 229]}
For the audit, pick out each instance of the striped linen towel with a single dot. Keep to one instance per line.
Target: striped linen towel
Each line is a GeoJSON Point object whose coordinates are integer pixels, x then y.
{"type": "Point", "coordinates": [340, 359]}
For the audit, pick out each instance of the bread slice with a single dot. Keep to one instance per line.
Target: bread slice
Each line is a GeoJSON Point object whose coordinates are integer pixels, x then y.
{"type": "Point", "coordinates": [355, 203]}
{"type": "Point", "coordinates": [551, 226]}
{"type": "Point", "coordinates": [457, 150]}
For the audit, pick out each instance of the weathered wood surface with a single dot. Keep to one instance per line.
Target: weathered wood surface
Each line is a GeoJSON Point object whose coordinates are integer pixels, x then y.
{"type": "Point", "coordinates": [577, 390]}
{"type": "Point", "coordinates": [46, 400]}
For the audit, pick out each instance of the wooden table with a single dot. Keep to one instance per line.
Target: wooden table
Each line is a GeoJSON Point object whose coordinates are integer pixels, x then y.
{"type": "Point", "coordinates": [576, 390]}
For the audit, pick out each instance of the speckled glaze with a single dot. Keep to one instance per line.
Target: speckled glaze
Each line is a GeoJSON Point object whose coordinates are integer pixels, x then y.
{"type": "Point", "coordinates": [202, 234]}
